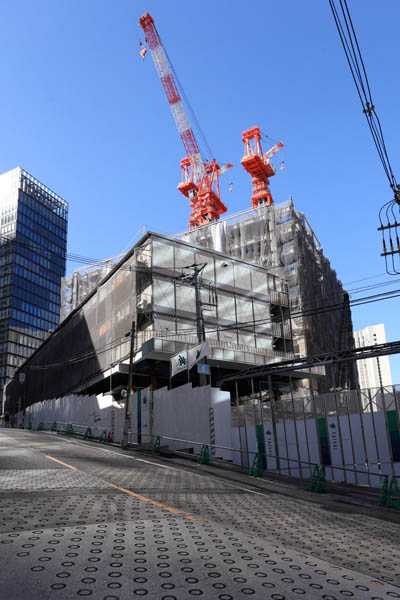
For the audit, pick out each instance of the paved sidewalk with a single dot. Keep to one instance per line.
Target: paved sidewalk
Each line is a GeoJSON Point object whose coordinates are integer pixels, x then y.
{"type": "Point", "coordinates": [85, 520]}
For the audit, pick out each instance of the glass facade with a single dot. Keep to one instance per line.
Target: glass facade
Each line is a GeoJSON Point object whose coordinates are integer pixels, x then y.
{"type": "Point", "coordinates": [33, 239]}
{"type": "Point", "coordinates": [245, 311]}
{"type": "Point", "coordinates": [237, 297]}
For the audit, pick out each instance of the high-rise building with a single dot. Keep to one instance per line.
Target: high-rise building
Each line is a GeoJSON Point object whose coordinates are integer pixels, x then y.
{"type": "Point", "coordinates": [373, 372]}
{"type": "Point", "coordinates": [279, 238]}
{"type": "Point", "coordinates": [33, 239]}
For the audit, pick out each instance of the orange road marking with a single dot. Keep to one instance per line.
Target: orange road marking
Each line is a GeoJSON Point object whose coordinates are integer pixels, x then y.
{"type": "Point", "coordinates": [154, 502]}
{"type": "Point", "coordinates": [175, 511]}
{"type": "Point", "coordinates": [62, 463]}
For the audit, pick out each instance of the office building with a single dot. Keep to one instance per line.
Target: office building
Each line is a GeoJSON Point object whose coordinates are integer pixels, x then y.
{"type": "Point", "coordinates": [33, 239]}
{"type": "Point", "coordinates": [373, 372]}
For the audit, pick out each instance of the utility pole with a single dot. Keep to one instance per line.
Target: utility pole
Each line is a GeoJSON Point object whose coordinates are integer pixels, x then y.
{"type": "Point", "coordinates": [199, 313]}
{"type": "Point", "coordinates": [129, 391]}
{"type": "Point", "coordinates": [194, 279]}
{"type": "Point", "coordinates": [201, 334]}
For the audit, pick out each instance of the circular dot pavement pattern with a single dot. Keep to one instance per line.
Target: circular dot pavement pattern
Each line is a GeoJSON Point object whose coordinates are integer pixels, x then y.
{"type": "Point", "coordinates": [67, 533]}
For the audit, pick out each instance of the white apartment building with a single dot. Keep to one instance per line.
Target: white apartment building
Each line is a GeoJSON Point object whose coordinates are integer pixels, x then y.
{"type": "Point", "coordinates": [373, 372]}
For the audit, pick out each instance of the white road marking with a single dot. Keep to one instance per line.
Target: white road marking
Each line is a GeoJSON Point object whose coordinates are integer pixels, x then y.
{"type": "Point", "coordinates": [171, 468]}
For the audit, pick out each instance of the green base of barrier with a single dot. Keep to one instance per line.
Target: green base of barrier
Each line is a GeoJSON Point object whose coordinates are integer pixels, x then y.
{"type": "Point", "coordinates": [88, 434]}
{"type": "Point", "coordinates": [204, 458]}
{"type": "Point", "coordinates": [156, 445]}
{"type": "Point", "coordinates": [318, 480]}
{"type": "Point", "coordinates": [257, 467]}
{"type": "Point", "coordinates": [389, 496]}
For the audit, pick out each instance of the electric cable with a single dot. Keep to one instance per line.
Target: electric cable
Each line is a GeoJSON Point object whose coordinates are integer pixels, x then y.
{"type": "Point", "coordinates": [239, 325]}
{"type": "Point", "coordinates": [391, 209]}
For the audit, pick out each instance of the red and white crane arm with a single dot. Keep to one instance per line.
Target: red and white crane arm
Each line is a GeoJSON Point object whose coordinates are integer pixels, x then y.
{"type": "Point", "coordinates": [166, 75]}
{"type": "Point", "coordinates": [273, 151]}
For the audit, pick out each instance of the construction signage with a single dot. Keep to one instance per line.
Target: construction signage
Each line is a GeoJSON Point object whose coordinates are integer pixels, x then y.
{"type": "Point", "coordinates": [179, 363]}
{"type": "Point", "coordinates": [188, 358]}
{"type": "Point", "coordinates": [197, 353]}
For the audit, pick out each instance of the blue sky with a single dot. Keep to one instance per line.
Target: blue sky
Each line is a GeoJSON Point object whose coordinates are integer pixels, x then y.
{"type": "Point", "coordinates": [81, 112]}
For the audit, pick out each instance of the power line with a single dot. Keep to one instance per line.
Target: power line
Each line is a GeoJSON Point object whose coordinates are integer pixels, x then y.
{"type": "Point", "coordinates": [355, 61]}
{"type": "Point", "coordinates": [389, 212]}
{"type": "Point", "coordinates": [239, 325]}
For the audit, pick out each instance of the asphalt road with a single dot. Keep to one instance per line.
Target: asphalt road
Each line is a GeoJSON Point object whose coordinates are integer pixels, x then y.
{"type": "Point", "coordinates": [84, 519]}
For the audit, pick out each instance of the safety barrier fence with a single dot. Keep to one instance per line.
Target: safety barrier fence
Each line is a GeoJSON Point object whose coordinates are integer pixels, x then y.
{"type": "Point", "coordinates": [87, 431]}
{"type": "Point", "coordinates": [252, 454]}
{"type": "Point", "coordinates": [80, 429]}
{"type": "Point", "coordinates": [320, 474]}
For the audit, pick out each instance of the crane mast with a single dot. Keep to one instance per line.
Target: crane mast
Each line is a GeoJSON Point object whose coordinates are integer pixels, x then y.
{"type": "Point", "coordinates": [200, 179]}
{"type": "Point", "coordinates": [258, 165]}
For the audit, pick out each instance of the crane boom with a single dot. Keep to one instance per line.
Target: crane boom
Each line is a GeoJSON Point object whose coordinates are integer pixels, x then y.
{"type": "Point", "coordinates": [166, 75]}
{"type": "Point", "coordinates": [200, 179]}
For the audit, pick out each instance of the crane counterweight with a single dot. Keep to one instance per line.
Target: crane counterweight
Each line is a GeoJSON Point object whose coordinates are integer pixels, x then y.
{"type": "Point", "coordinates": [258, 165]}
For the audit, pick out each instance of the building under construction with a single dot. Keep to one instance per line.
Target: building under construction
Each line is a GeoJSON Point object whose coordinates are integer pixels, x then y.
{"type": "Point", "coordinates": [280, 239]}
{"type": "Point", "coordinates": [77, 286]}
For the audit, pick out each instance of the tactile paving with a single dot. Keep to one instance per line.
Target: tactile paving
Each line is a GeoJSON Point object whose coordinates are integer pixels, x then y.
{"type": "Point", "coordinates": [48, 510]}
{"type": "Point", "coordinates": [368, 545]}
{"type": "Point", "coordinates": [70, 533]}
{"type": "Point", "coordinates": [41, 479]}
{"type": "Point", "coordinates": [171, 559]}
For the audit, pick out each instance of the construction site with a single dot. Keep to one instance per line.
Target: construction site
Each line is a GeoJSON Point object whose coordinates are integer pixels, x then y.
{"type": "Point", "coordinates": [250, 290]}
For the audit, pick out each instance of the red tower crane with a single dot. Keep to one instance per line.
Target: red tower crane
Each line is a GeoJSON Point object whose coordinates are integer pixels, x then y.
{"type": "Point", "coordinates": [200, 178]}
{"type": "Point", "coordinates": [258, 165]}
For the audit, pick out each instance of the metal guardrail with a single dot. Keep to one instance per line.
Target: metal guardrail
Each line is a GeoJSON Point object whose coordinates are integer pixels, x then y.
{"type": "Point", "coordinates": [299, 464]}
{"type": "Point", "coordinates": [277, 458]}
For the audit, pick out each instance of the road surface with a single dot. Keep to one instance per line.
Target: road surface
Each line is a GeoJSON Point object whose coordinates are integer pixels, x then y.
{"type": "Point", "coordinates": [84, 519]}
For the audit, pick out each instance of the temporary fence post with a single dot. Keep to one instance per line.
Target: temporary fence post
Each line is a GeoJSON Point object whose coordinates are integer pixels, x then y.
{"type": "Point", "coordinates": [321, 484]}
